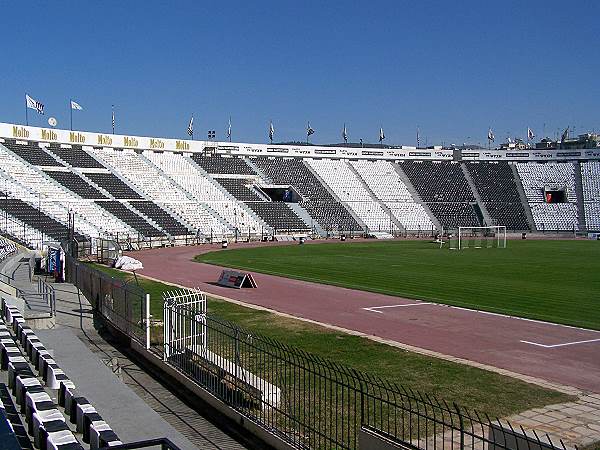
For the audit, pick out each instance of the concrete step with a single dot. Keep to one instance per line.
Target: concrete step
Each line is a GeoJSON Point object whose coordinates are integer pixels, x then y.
{"type": "Point", "coordinates": [486, 215]}
{"type": "Point", "coordinates": [415, 195]}
{"type": "Point", "coordinates": [580, 198]}
{"type": "Point", "coordinates": [387, 210]}
{"type": "Point", "coordinates": [523, 197]}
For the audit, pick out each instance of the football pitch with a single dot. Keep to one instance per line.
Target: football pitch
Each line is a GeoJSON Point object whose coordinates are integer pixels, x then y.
{"type": "Point", "coordinates": [554, 280]}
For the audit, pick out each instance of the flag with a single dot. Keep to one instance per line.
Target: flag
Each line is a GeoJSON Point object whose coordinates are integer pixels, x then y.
{"type": "Point", "coordinates": [34, 104]}
{"type": "Point", "coordinates": [229, 129]}
{"type": "Point", "coordinates": [190, 128]}
{"type": "Point", "coordinates": [530, 134]}
{"type": "Point", "coordinates": [113, 119]}
{"type": "Point", "coordinates": [345, 134]}
{"type": "Point", "coordinates": [381, 135]}
{"type": "Point", "coordinates": [491, 136]}
{"type": "Point", "coordinates": [565, 135]}
{"type": "Point", "coordinates": [75, 105]}
{"type": "Point", "coordinates": [271, 130]}
{"type": "Point", "coordinates": [418, 142]}
{"type": "Point", "coordinates": [309, 130]}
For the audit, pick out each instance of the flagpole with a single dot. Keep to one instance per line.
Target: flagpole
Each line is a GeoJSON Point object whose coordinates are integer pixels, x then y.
{"type": "Point", "coordinates": [113, 119]}
{"type": "Point", "coordinates": [71, 109]}
{"type": "Point", "coordinates": [26, 112]}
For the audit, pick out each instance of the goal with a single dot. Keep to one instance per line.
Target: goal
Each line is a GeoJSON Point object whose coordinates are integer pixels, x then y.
{"type": "Point", "coordinates": [477, 237]}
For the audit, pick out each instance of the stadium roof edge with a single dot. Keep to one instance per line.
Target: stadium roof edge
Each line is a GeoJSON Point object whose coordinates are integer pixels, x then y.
{"type": "Point", "coordinates": [85, 138]}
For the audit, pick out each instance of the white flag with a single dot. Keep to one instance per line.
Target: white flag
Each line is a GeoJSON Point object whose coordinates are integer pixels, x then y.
{"type": "Point", "coordinates": [345, 134]}
{"type": "Point", "coordinates": [381, 135]}
{"type": "Point", "coordinates": [75, 105]}
{"type": "Point", "coordinates": [190, 129]}
{"type": "Point", "coordinates": [34, 104]}
{"type": "Point", "coordinates": [491, 137]}
{"type": "Point", "coordinates": [229, 129]}
{"type": "Point", "coordinates": [530, 134]}
{"type": "Point", "coordinates": [309, 130]}
{"type": "Point", "coordinates": [271, 131]}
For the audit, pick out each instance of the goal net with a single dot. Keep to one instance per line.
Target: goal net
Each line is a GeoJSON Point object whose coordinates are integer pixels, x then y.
{"type": "Point", "coordinates": [477, 237]}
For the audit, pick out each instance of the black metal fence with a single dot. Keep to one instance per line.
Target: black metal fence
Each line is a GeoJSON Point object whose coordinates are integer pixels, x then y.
{"type": "Point", "coordinates": [311, 402]}
{"type": "Point", "coordinates": [120, 302]}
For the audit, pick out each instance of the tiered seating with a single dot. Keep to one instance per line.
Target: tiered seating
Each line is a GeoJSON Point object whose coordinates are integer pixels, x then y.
{"type": "Point", "coordinates": [223, 164]}
{"type": "Point", "coordinates": [278, 215]}
{"type": "Point", "coordinates": [185, 173]}
{"type": "Point", "coordinates": [319, 203]}
{"type": "Point", "coordinates": [590, 180]}
{"type": "Point", "coordinates": [238, 187]}
{"type": "Point", "coordinates": [443, 186]}
{"type": "Point", "coordinates": [537, 176]}
{"type": "Point", "coordinates": [35, 187]}
{"type": "Point", "coordinates": [33, 375]}
{"type": "Point", "coordinates": [159, 188]}
{"type": "Point", "coordinates": [386, 184]}
{"type": "Point", "coordinates": [350, 190]}
{"type": "Point", "coordinates": [76, 184]}
{"type": "Point", "coordinates": [438, 181]}
{"type": "Point", "coordinates": [7, 248]}
{"type": "Point", "coordinates": [498, 191]}
{"type": "Point", "coordinates": [452, 215]}
{"type": "Point", "coordinates": [160, 217]}
{"type": "Point", "coordinates": [75, 156]}
{"type": "Point", "coordinates": [20, 232]}
{"type": "Point", "coordinates": [35, 218]}
{"type": "Point", "coordinates": [114, 185]}
{"type": "Point", "coordinates": [135, 221]}
{"type": "Point", "coordinates": [32, 153]}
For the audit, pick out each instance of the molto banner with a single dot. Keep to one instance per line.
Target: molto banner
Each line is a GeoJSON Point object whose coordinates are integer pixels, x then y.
{"type": "Point", "coordinates": [11, 131]}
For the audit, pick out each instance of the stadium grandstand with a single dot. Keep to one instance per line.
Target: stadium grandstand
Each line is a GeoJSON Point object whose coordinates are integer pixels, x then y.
{"type": "Point", "coordinates": [158, 191]}
{"type": "Point", "coordinates": [68, 196]}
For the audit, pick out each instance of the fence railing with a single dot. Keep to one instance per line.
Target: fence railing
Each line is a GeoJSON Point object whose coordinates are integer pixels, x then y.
{"type": "Point", "coordinates": [48, 295]}
{"type": "Point", "coordinates": [123, 304]}
{"type": "Point", "coordinates": [311, 402]}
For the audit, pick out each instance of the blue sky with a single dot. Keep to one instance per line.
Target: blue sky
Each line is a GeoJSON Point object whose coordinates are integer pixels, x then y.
{"type": "Point", "coordinates": [452, 68]}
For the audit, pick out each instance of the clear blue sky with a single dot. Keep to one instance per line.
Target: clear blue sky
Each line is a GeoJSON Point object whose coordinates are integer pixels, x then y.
{"type": "Point", "coordinates": [453, 68]}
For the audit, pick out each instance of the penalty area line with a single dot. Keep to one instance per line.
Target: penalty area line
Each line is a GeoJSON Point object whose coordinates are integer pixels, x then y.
{"type": "Point", "coordinates": [376, 308]}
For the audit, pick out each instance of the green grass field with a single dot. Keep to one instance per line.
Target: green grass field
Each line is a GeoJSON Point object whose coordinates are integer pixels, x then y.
{"type": "Point", "coordinates": [556, 281]}
{"type": "Point", "coordinates": [495, 394]}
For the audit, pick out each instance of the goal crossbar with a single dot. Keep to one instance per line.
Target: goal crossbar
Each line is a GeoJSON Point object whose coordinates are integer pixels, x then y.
{"type": "Point", "coordinates": [495, 233]}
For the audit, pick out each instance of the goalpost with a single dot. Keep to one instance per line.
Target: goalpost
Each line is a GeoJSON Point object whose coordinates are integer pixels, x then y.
{"type": "Point", "coordinates": [478, 237]}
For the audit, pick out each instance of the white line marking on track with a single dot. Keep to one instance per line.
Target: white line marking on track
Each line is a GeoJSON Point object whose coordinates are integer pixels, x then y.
{"type": "Point", "coordinates": [537, 344]}
{"type": "Point", "coordinates": [375, 308]}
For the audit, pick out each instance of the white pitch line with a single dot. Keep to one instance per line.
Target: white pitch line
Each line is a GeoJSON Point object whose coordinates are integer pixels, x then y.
{"type": "Point", "coordinates": [374, 308]}
{"type": "Point", "coordinates": [559, 345]}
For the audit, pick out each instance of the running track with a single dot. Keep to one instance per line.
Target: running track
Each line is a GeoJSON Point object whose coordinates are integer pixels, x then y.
{"type": "Point", "coordinates": [556, 353]}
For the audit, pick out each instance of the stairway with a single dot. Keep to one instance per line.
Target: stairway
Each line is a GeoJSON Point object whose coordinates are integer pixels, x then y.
{"type": "Point", "coordinates": [308, 220]}
{"type": "Point", "coordinates": [415, 195]}
{"type": "Point", "coordinates": [523, 197]}
{"type": "Point", "coordinates": [240, 205]}
{"type": "Point", "coordinates": [580, 197]}
{"type": "Point", "coordinates": [484, 212]}
{"type": "Point", "coordinates": [387, 210]}
{"type": "Point", "coordinates": [335, 197]}
{"type": "Point", "coordinates": [258, 170]}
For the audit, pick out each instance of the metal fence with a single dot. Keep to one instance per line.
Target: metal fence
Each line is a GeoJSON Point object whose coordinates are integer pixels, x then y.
{"type": "Point", "coordinates": [121, 303]}
{"type": "Point", "coordinates": [311, 402]}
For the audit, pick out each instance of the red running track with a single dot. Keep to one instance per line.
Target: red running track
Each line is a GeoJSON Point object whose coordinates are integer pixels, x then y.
{"type": "Point", "coordinates": [561, 354]}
